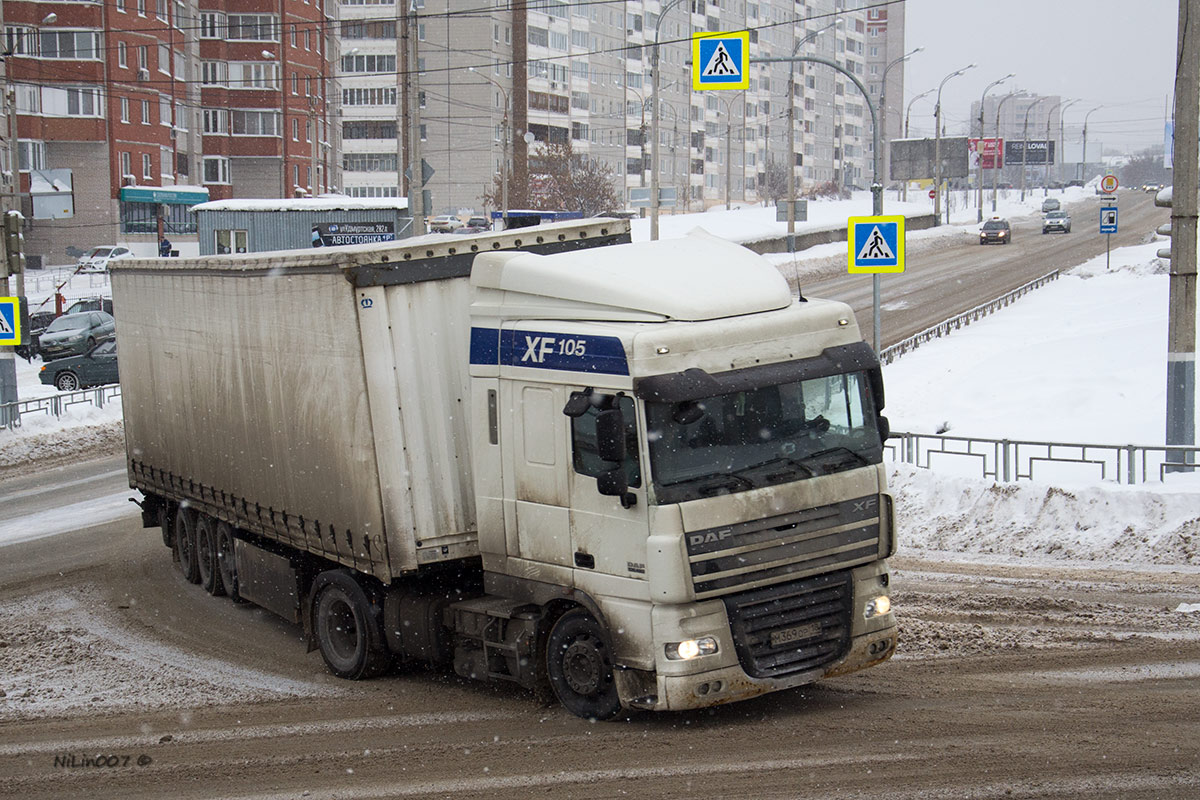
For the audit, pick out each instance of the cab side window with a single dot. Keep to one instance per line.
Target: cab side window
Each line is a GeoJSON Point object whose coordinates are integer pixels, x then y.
{"type": "Point", "coordinates": [586, 459]}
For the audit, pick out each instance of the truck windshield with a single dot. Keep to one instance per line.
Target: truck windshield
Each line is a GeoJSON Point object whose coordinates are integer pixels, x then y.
{"type": "Point", "coordinates": [766, 436]}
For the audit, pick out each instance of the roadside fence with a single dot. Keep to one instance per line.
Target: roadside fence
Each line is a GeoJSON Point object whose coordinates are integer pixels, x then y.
{"type": "Point", "coordinates": [56, 405]}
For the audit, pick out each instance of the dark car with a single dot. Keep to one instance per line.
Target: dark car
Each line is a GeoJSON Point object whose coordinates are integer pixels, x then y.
{"type": "Point", "coordinates": [76, 334]}
{"type": "Point", "coordinates": [97, 366]}
{"type": "Point", "coordinates": [38, 322]}
{"type": "Point", "coordinates": [1056, 221]}
{"type": "Point", "coordinates": [476, 225]}
{"type": "Point", "coordinates": [91, 304]}
{"type": "Point", "coordinates": [995, 230]}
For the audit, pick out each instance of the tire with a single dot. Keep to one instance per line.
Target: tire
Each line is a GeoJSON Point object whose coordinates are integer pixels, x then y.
{"type": "Point", "coordinates": [91, 342]}
{"type": "Point", "coordinates": [224, 561]}
{"type": "Point", "coordinates": [166, 523]}
{"type": "Point", "coordinates": [579, 666]}
{"type": "Point", "coordinates": [347, 627]}
{"type": "Point", "coordinates": [66, 382]}
{"type": "Point", "coordinates": [206, 555]}
{"type": "Point", "coordinates": [185, 544]}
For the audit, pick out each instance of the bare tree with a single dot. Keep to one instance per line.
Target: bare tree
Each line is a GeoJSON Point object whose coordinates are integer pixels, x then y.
{"type": "Point", "coordinates": [774, 180]}
{"type": "Point", "coordinates": [560, 180]}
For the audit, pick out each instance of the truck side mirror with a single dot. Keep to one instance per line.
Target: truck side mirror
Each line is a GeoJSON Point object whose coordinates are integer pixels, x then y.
{"type": "Point", "coordinates": [578, 403]}
{"type": "Point", "coordinates": [610, 435]}
{"type": "Point", "coordinates": [612, 483]}
{"type": "Point", "coordinates": [687, 413]}
{"type": "Point", "coordinates": [885, 428]}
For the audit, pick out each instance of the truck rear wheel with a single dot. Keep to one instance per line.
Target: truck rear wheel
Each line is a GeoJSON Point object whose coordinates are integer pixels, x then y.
{"type": "Point", "coordinates": [185, 544]}
{"type": "Point", "coordinates": [206, 555]}
{"type": "Point", "coordinates": [347, 628]}
{"type": "Point", "coordinates": [579, 665]}
{"type": "Point", "coordinates": [223, 557]}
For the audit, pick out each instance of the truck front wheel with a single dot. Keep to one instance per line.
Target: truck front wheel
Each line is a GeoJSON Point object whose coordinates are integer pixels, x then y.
{"type": "Point", "coordinates": [347, 628]}
{"type": "Point", "coordinates": [579, 665]}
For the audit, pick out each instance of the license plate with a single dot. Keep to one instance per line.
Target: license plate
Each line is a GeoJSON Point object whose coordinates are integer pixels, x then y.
{"type": "Point", "coordinates": [799, 633]}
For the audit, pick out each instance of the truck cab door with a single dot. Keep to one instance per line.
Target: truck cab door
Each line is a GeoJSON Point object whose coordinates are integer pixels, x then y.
{"type": "Point", "coordinates": [608, 535]}
{"type": "Point", "coordinates": [538, 530]}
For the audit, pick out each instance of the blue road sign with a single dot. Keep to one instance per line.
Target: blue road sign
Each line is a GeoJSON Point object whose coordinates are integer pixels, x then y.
{"type": "Point", "coordinates": [876, 244]}
{"type": "Point", "coordinates": [721, 60]}
{"type": "Point", "coordinates": [10, 321]}
{"type": "Point", "coordinates": [1108, 219]}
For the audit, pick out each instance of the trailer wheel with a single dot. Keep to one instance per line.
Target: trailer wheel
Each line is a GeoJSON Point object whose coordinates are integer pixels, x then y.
{"type": "Point", "coordinates": [579, 665]}
{"type": "Point", "coordinates": [185, 544]}
{"type": "Point", "coordinates": [166, 522]}
{"type": "Point", "coordinates": [347, 627]}
{"type": "Point", "coordinates": [223, 557]}
{"type": "Point", "coordinates": [206, 555]}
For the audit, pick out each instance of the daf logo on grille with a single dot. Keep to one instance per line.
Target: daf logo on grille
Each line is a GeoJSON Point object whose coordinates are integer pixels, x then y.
{"type": "Point", "coordinates": [712, 537]}
{"type": "Point", "coordinates": [866, 505]}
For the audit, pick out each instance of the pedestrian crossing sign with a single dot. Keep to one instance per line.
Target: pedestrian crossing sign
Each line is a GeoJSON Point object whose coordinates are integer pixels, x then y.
{"type": "Point", "coordinates": [721, 60]}
{"type": "Point", "coordinates": [10, 321]}
{"type": "Point", "coordinates": [876, 244]}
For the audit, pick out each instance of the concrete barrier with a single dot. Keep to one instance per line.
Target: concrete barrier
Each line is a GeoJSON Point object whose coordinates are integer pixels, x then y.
{"type": "Point", "coordinates": [778, 244]}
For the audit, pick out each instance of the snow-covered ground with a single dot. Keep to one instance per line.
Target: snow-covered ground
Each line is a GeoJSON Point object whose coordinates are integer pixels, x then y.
{"type": "Point", "coordinates": [1080, 360]}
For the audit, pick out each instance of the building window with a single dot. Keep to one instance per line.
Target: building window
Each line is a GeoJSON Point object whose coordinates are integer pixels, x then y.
{"type": "Point", "coordinates": [31, 155]}
{"type": "Point", "coordinates": [125, 167]}
{"type": "Point", "coordinates": [216, 170]}
{"type": "Point", "coordinates": [229, 241]}
{"type": "Point", "coordinates": [252, 28]}
{"type": "Point", "coordinates": [145, 112]}
{"type": "Point", "coordinates": [365, 63]}
{"type": "Point", "coordinates": [147, 166]}
{"type": "Point", "coordinates": [295, 130]}
{"type": "Point", "coordinates": [253, 75]}
{"type": "Point", "coordinates": [213, 73]}
{"type": "Point", "coordinates": [70, 102]}
{"type": "Point", "coordinates": [143, 57]}
{"type": "Point", "coordinates": [308, 39]}
{"type": "Point", "coordinates": [125, 109]}
{"type": "Point", "coordinates": [295, 35]}
{"type": "Point", "coordinates": [141, 8]}
{"type": "Point", "coordinates": [369, 162]}
{"type": "Point", "coordinates": [122, 55]}
{"type": "Point", "coordinates": [295, 83]}
{"type": "Point", "coordinates": [368, 29]}
{"type": "Point", "coordinates": [180, 116]}
{"type": "Point", "coordinates": [369, 129]}
{"type": "Point", "coordinates": [164, 111]}
{"type": "Point", "coordinates": [20, 40]}
{"type": "Point", "coordinates": [255, 123]}
{"type": "Point", "coordinates": [164, 59]}
{"type": "Point", "coordinates": [216, 120]}
{"type": "Point", "coordinates": [212, 25]}
{"type": "Point", "coordinates": [369, 97]}
{"type": "Point", "coordinates": [143, 217]}
{"type": "Point", "coordinates": [75, 45]}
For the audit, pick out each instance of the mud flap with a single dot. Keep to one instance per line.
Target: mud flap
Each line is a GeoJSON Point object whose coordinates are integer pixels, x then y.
{"type": "Point", "coordinates": [306, 619]}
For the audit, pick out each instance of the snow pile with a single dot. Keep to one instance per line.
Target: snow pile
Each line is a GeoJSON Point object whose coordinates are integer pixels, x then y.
{"type": "Point", "coordinates": [1104, 524]}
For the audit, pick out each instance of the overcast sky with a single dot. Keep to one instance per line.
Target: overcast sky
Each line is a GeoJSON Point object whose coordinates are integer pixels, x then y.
{"type": "Point", "coordinates": [1119, 54]}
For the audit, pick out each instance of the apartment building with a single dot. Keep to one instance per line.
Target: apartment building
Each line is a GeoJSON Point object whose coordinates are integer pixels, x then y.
{"type": "Point", "coordinates": [127, 112]}
{"type": "Point", "coordinates": [580, 72]}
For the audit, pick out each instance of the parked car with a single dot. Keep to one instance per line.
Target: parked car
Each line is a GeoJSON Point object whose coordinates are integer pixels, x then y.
{"type": "Point", "coordinates": [91, 304]}
{"type": "Point", "coordinates": [1075, 183]}
{"type": "Point", "coordinates": [76, 334]}
{"type": "Point", "coordinates": [1050, 204]}
{"type": "Point", "coordinates": [94, 368]}
{"type": "Point", "coordinates": [38, 322]}
{"type": "Point", "coordinates": [1056, 221]}
{"type": "Point", "coordinates": [995, 230]}
{"type": "Point", "coordinates": [98, 258]}
{"type": "Point", "coordinates": [1152, 188]}
{"type": "Point", "coordinates": [445, 223]}
{"type": "Point", "coordinates": [476, 225]}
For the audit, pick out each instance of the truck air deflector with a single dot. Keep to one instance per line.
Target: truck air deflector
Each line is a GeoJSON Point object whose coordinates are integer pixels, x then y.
{"type": "Point", "coordinates": [570, 352]}
{"type": "Point", "coordinates": [697, 384]}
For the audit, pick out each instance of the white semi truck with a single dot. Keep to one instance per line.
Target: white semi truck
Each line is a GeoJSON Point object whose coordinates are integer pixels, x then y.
{"type": "Point", "coordinates": [644, 476]}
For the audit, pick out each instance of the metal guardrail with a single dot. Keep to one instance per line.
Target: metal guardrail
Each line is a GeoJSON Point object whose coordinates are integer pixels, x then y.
{"type": "Point", "coordinates": [56, 405]}
{"type": "Point", "coordinates": [1008, 460]}
{"type": "Point", "coordinates": [943, 328]}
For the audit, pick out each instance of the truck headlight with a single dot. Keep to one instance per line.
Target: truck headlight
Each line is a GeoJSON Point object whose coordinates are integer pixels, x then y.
{"type": "Point", "coordinates": [878, 607]}
{"type": "Point", "coordinates": [692, 648]}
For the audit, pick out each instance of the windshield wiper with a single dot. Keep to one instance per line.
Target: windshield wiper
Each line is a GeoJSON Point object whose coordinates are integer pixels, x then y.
{"type": "Point", "coordinates": [844, 451]}
{"type": "Point", "coordinates": [720, 480]}
{"type": "Point", "coordinates": [790, 466]}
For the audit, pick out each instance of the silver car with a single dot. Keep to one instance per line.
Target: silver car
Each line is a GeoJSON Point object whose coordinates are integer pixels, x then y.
{"type": "Point", "coordinates": [76, 334]}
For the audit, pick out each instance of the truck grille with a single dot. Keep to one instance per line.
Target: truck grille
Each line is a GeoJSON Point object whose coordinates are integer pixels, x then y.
{"type": "Point", "coordinates": [767, 551]}
{"type": "Point", "coordinates": [792, 627]}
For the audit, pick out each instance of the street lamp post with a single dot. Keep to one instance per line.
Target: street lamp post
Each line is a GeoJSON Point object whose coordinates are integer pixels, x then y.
{"type": "Point", "coordinates": [1025, 144]}
{"type": "Point", "coordinates": [662, 14]}
{"type": "Point", "coordinates": [907, 119]}
{"type": "Point", "coordinates": [729, 142]}
{"type": "Point", "coordinates": [978, 155]}
{"type": "Point", "coordinates": [883, 90]}
{"type": "Point", "coordinates": [996, 172]}
{"type": "Point", "coordinates": [876, 167]}
{"type": "Point", "coordinates": [641, 134]}
{"type": "Point", "coordinates": [504, 168]}
{"type": "Point", "coordinates": [937, 145]}
{"type": "Point", "coordinates": [1083, 166]}
{"type": "Point", "coordinates": [1061, 155]}
{"type": "Point", "coordinates": [1063, 105]}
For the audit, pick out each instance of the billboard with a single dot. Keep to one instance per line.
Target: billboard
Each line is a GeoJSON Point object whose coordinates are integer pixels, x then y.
{"type": "Point", "coordinates": [912, 159]}
{"type": "Point", "coordinates": [332, 234]}
{"type": "Point", "coordinates": [1033, 151]}
{"type": "Point", "coordinates": [986, 153]}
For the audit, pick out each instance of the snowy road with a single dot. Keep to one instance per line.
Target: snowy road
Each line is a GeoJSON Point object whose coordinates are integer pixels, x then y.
{"type": "Point", "coordinates": [1010, 681]}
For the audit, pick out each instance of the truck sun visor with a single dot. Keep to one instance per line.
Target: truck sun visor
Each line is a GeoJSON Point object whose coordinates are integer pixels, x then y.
{"type": "Point", "coordinates": [696, 384]}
